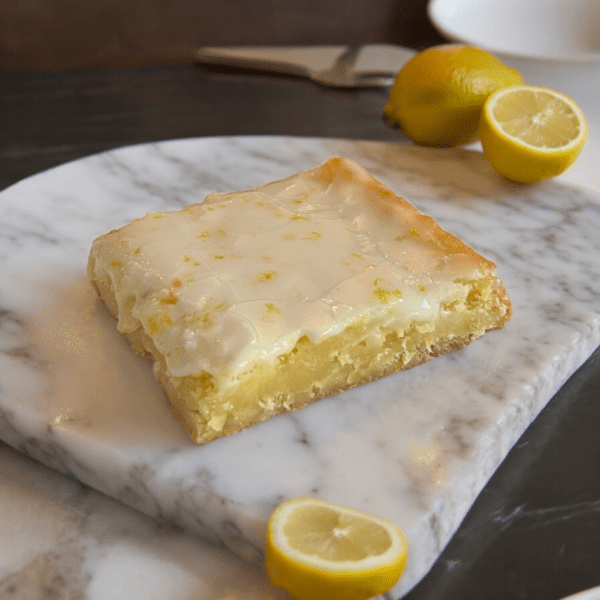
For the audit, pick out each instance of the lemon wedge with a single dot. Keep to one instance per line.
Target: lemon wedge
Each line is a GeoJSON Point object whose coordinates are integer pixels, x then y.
{"type": "Point", "coordinates": [530, 133]}
{"type": "Point", "coordinates": [318, 550]}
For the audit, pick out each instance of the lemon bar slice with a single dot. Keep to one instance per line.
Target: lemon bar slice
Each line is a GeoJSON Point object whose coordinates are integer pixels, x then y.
{"type": "Point", "coordinates": [259, 302]}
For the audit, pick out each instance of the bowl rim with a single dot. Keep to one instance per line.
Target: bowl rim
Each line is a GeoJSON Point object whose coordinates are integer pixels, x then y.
{"type": "Point", "coordinates": [436, 17]}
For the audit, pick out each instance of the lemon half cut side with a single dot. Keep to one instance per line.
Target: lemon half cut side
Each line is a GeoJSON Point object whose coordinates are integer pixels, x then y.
{"type": "Point", "coordinates": [531, 133]}
{"type": "Point", "coordinates": [319, 550]}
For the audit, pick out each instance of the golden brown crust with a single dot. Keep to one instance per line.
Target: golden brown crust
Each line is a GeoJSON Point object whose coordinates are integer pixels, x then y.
{"type": "Point", "coordinates": [339, 169]}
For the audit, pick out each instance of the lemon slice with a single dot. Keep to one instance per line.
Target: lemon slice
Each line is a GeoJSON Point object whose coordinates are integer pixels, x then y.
{"type": "Point", "coordinates": [318, 550]}
{"type": "Point", "coordinates": [530, 133]}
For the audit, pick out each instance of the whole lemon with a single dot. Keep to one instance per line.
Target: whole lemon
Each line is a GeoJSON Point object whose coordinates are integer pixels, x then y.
{"type": "Point", "coordinates": [437, 97]}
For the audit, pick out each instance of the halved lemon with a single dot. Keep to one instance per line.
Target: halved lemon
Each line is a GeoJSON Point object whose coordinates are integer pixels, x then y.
{"type": "Point", "coordinates": [319, 550]}
{"type": "Point", "coordinates": [530, 133]}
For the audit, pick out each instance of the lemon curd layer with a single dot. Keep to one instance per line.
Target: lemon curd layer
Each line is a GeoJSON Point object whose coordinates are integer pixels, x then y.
{"type": "Point", "coordinates": [258, 302]}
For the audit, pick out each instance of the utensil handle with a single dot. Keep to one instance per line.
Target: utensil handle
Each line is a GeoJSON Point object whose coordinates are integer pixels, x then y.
{"type": "Point", "coordinates": [298, 61]}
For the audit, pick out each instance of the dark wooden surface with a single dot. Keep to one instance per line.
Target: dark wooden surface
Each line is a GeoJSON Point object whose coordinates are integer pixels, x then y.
{"type": "Point", "coordinates": [534, 532]}
{"type": "Point", "coordinates": [48, 118]}
{"type": "Point", "coordinates": [63, 34]}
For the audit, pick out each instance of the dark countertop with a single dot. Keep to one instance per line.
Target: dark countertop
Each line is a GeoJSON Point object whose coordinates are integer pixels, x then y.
{"type": "Point", "coordinates": [534, 532]}
{"type": "Point", "coordinates": [62, 34]}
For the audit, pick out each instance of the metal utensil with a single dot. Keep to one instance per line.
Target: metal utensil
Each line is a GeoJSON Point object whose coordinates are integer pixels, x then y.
{"type": "Point", "coordinates": [342, 74]}
{"type": "Point", "coordinates": [335, 67]}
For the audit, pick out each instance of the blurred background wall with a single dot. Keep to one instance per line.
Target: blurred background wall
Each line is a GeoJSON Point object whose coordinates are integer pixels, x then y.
{"type": "Point", "coordinates": [66, 34]}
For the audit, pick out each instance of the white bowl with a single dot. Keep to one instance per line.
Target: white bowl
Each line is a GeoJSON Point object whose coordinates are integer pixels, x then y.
{"type": "Point", "coordinates": [551, 42]}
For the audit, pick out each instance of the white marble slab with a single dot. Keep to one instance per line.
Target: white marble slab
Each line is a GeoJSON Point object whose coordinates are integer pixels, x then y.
{"type": "Point", "coordinates": [59, 540]}
{"type": "Point", "coordinates": [415, 447]}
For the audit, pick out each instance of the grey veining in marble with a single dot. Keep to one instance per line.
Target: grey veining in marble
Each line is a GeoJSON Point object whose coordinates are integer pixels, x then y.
{"type": "Point", "coordinates": [415, 447]}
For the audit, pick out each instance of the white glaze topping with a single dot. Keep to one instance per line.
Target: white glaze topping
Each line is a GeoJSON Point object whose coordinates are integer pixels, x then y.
{"type": "Point", "coordinates": [242, 276]}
